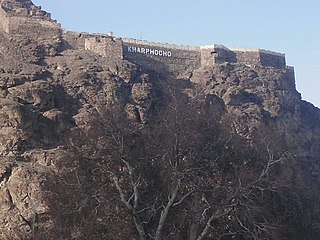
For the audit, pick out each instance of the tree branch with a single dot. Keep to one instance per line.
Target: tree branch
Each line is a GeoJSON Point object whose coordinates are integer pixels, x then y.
{"type": "Point", "coordinates": [183, 198]}
{"type": "Point", "coordinates": [208, 224]}
{"type": "Point", "coordinates": [165, 211]}
{"type": "Point", "coordinates": [131, 208]}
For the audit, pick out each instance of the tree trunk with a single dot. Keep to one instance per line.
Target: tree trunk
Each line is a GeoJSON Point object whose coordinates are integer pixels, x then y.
{"type": "Point", "coordinates": [140, 229]}
{"type": "Point", "coordinates": [196, 218]}
{"type": "Point", "coordinates": [165, 212]}
{"type": "Point", "coordinates": [193, 234]}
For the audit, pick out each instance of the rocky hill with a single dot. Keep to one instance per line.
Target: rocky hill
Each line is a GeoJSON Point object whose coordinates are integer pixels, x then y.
{"type": "Point", "coordinates": [58, 102]}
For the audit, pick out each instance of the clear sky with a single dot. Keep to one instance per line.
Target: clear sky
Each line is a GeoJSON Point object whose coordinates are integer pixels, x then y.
{"type": "Point", "coordinates": [287, 26]}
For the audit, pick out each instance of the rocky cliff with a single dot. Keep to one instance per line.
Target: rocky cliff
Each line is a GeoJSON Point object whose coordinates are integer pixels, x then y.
{"type": "Point", "coordinates": [50, 89]}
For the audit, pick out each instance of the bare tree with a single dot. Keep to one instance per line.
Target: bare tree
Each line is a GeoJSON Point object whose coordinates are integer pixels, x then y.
{"type": "Point", "coordinates": [184, 176]}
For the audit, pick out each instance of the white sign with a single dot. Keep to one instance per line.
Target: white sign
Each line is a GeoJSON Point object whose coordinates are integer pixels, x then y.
{"type": "Point", "coordinates": [150, 51]}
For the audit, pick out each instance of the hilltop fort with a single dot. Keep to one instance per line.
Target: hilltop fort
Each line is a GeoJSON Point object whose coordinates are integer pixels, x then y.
{"type": "Point", "coordinates": [105, 137]}
{"type": "Point", "coordinates": [164, 56]}
{"type": "Point", "coordinates": [25, 19]}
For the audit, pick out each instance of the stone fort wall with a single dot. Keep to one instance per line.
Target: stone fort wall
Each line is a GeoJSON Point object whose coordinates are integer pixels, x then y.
{"type": "Point", "coordinates": [16, 19]}
{"type": "Point", "coordinates": [101, 44]}
{"type": "Point", "coordinates": [179, 60]}
{"type": "Point", "coordinates": [106, 46]}
{"type": "Point", "coordinates": [25, 19]}
{"type": "Point", "coordinates": [4, 21]}
{"type": "Point", "coordinates": [219, 54]}
{"type": "Point", "coordinates": [38, 29]}
{"type": "Point", "coordinates": [170, 57]}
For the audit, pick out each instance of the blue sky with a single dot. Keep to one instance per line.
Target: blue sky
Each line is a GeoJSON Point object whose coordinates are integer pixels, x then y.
{"type": "Point", "coordinates": [288, 26]}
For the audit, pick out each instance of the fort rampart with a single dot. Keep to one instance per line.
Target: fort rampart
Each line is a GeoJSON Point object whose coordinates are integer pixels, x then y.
{"type": "Point", "coordinates": [161, 56]}
{"type": "Point", "coordinates": [17, 19]}
{"type": "Point", "coordinates": [30, 21]}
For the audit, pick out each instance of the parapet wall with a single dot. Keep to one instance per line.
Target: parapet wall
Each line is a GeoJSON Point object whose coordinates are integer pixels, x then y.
{"type": "Point", "coordinates": [208, 55]}
{"type": "Point", "coordinates": [106, 46]}
{"type": "Point", "coordinates": [260, 56]}
{"type": "Point", "coordinates": [4, 21]}
{"type": "Point", "coordinates": [272, 59]}
{"type": "Point", "coordinates": [22, 18]}
{"type": "Point", "coordinates": [212, 54]}
{"type": "Point", "coordinates": [38, 29]}
{"type": "Point", "coordinates": [180, 60]}
{"type": "Point", "coordinates": [160, 45]}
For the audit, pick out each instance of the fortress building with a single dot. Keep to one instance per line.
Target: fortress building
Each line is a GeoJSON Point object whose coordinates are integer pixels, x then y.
{"type": "Point", "coordinates": [25, 19]}
{"type": "Point", "coordinates": [171, 57]}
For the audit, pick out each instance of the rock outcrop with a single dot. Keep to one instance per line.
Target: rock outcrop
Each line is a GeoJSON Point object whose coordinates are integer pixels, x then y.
{"type": "Point", "coordinates": [49, 88]}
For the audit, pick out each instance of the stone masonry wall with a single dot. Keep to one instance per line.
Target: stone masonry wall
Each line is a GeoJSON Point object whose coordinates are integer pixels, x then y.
{"type": "Point", "coordinates": [160, 57]}
{"type": "Point", "coordinates": [179, 60]}
{"type": "Point", "coordinates": [39, 29]}
{"type": "Point", "coordinates": [25, 19]}
{"type": "Point", "coordinates": [4, 21]}
{"type": "Point", "coordinates": [106, 46]}
{"type": "Point", "coordinates": [32, 27]}
{"type": "Point", "coordinates": [259, 56]}
{"type": "Point", "coordinates": [208, 56]}
{"type": "Point", "coordinates": [212, 54]}
{"type": "Point", "coordinates": [272, 59]}
{"type": "Point", "coordinates": [248, 57]}
{"type": "Point", "coordinates": [19, 17]}
{"type": "Point", "coordinates": [74, 40]}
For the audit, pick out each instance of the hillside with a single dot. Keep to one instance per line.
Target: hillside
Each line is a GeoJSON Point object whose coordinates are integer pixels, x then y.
{"type": "Point", "coordinates": [99, 141]}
